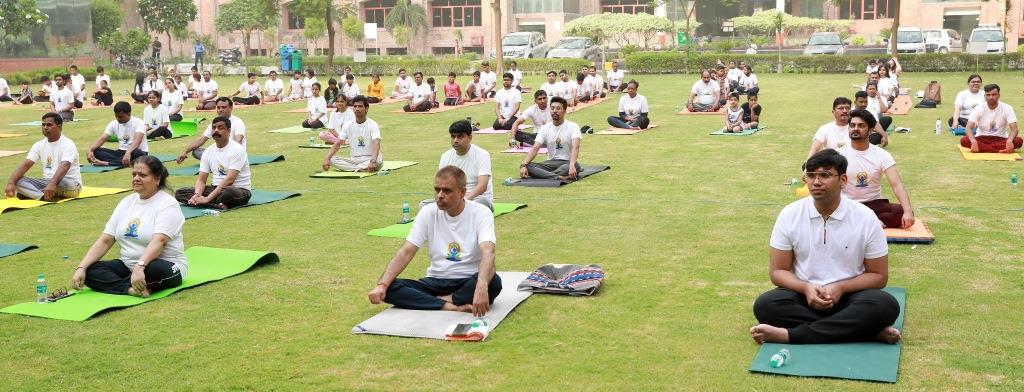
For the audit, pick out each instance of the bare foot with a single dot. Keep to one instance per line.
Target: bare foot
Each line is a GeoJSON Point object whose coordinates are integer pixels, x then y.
{"type": "Point", "coordinates": [132, 292]}
{"type": "Point", "coordinates": [467, 308]}
{"type": "Point", "coordinates": [889, 335]}
{"type": "Point", "coordinates": [764, 333]}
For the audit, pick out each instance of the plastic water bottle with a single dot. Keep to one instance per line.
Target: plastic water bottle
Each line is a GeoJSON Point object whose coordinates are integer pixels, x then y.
{"type": "Point", "coordinates": [1013, 180]}
{"type": "Point", "coordinates": [211, 212]}
{"type": "Point", "coordinates": [508, 181]}
{"type": "Point", "coordinates": [938, 126]}
{"type": "Point", "coordinates": [405, 211]}
{"type": "Point", "coordinates": [780, 358]}
{"type": "Point", "coordinates": [41, 288]}
{"type": "Point", "coordinates": [480, 322]}
{"type": "Point", "coordinates": [382, 172]}
{"type": "Point", "coordinates": [312, 141]}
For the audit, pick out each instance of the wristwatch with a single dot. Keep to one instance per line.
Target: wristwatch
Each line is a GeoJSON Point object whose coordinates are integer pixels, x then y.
{"type": "Point", "coordinates": [140, 264]}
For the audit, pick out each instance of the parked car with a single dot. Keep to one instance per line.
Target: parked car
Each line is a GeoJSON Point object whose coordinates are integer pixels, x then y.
{"type": "Point", "coordinates": [942, 41]}
{"type": "Point", "coordinates": [527, 44]}
{"type": "Point", "coordinates": [986, 39]}
{"type": "Point", "coordinates": [824, 43]}
{"type": "Point", "coordinates": [575, 47]}
{"type": "Point", "coordinates": [910, 40]}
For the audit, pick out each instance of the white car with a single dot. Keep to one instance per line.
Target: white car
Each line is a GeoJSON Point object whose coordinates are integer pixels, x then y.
{"type": "Point", "coordinates": [986, 39]}
{"type": "Point", "coordinates": [943, 40]}
{"type": "Point", "coordinates": [527, 44]}
{"type": "Point", "coordinates": [910, 40]}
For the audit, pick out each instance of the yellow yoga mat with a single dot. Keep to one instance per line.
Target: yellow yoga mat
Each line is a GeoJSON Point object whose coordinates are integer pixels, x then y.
{"type": "Point", "coordinates": [987, 156]}
{"type": "Point", "coordinates": [5, 153]}
{"type": "Point", "coordinates": [87, 192]}
{"type": "Point", "coordinates": [7, 135]}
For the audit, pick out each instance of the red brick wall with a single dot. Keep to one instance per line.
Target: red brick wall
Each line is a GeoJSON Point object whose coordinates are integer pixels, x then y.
{"type": "Point", "coordinates": [28, 64]}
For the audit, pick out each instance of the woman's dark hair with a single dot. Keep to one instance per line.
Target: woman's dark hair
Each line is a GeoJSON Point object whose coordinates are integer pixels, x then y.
{"type": "Point", "coordinates": [140, 79]}
{"type": "Point", "coordinates": [969, 78]}
{"type": "Point", "coordinates": [155, 167]}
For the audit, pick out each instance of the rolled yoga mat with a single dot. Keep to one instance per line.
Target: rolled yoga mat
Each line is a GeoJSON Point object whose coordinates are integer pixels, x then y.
{"type": "Point", "coordinates": [204, 265]}
{"type": "Point", "coordinates": [258, 197]}
{"type": "Point", "coordinates": [545, 183]}
{"type": "Point", "coordinates": [401, 230]}
{"type": "Point", "coordinates": [13, 249]}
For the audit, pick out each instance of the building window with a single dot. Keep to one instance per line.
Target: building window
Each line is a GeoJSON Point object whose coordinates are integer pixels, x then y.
{"type": "Point", "coordinates": [625, 6]}
{"type": "Point", "coordinates": [864, 9]}
{"type": "Point", "coordinates": [377, 10]}
{"type": "Point", "coordinates": [456, 13]}
{"type": "Point", "coordinates": [396, 51]}
{"type": "Point", "coordinates": [296, 22]}
{"type": "Point", "coordinates": [372, 51]}
{"type": "Point", "coordinates": [444, 50]}
{"type": "Point", "coordinates": [537, 6]}
{"type": "Point", "coordinates": [257, 52]}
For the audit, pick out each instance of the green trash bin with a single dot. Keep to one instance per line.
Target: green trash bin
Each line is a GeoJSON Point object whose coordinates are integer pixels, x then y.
{"type": "Point", "coordinates": [297, 60]}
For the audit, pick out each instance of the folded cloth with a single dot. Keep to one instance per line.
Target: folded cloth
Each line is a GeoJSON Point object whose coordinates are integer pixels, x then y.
{"type": "Point", "coordinates": [477, 333]}
{"type": "Point", "coordinates": [569, 279]}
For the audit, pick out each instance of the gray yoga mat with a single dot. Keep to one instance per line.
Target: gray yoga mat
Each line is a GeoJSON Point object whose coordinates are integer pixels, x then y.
{"type": "Point", "coordinates": [431, 324]}
{"type": "Point", "coordinates": [543, 183]}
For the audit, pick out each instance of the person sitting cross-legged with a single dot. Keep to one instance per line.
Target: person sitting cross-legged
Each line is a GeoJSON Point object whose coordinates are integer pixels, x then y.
{"type": "Point", "coordinates": [539, 113]}
{"type": "Point", "coordinates": [460, 243]}
{"type": "Point", "coordinates": [363, 138]}
{"type": "Point", "coordinates": [704, 94]}
{"type": "Point", "coordinates": [633, 109]}
{"type": "Point", "coordinates": [338, 118]}
{"type": "Point", "coordinates": [224, 109]}
{"type": "Point", "coordinates": [156, 118]}
{"type": "Point", "coordinates": [562, 138]}
{"type": "Point", "coordinates": [471, 159]}
{"type": "Point", "coordinates": [507, 101]}
{"type": "Point", "coordinates": [58, 158]}
{"type": "Point", "coordinates": [829, 259]}
{"type": "Point", "coordinates": [419, 95]}
{"type": "Point", "coordinates": [229, 164]}
{"type": "Point", "coordinates": [991, 121]}
{"type": "Point", "coordinates": [130, 132]}
{"type": "Point", "coordinates": [866, 165]}
{"type": "Point", "coordinates": [316, 109]}
{"type": "Point", "coordinates": [250, 89]}
{"type": "Point", "coordinates": [751, 112]}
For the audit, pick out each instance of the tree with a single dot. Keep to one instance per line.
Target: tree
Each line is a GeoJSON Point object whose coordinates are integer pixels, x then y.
{"type": "Point", "coordinates": [411, 16]}
{"type": "Point", "coordinates": [623, 29]}
{"type": "Point", "coordinates": [106, 17]}
{"type": "Point", "coordinates": [162, 16]}
{"type": "Point", "coordinates": [314, 30]}
{"type": "Point", "coordinates": [324, 9]}
{"type": "Point", "coordinates": [353, 29]}
{"type": "Point", "coordinates": [19, 16]}
{"type": "Point", "coordinates": [246, 16]}
{"type": "Point", "coordinates": [131, 44]}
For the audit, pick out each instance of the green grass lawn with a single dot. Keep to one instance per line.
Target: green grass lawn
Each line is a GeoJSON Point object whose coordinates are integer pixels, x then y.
{"type": "Point", "coordinates": [681, 224]}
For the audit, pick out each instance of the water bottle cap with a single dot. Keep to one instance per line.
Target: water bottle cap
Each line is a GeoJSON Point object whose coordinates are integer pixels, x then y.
{"type": "Point", "coordinates": [40, 276]}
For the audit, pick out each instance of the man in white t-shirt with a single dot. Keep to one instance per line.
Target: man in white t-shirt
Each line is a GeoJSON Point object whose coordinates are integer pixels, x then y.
{"type": "Point", "coordinates": [517, 75]}
{"type": "Point", "coordinates": [251, 90]}
{"type": "Point", "coordinates": [460, 243]}
{"type": "Point", "coordinates": [101, 75]}
{"type": "Point", "coordinates": [228, 163]}
{"type": "Point", "coordinates": [568, 88]}
{"type": "Point", "coordinates": [474, 89]}
{"type": "Point", "coordinates": [5, 91]}
{"type": "Point", "coordinates": [349, 89]}
{"type": "Point", "coordinates": [863, 101]}
{"type": "Point", "coordinates": [990, 122]}
{"type": "Point", "coordinates": [62, 100]}
{"type": "Point", "coordinates": [539, 113]}
{"type": "Point", "coordinates": [552, 88]}
{"type": "Point", "coordinates": [402, 85]}
{"type": "Point", "coordinates": [76, 82]}
{"type": "Point", "coordinates": [273, 89]}
{"type": "Point", "coordinates": [704, 94]}
{"type": "Point", "coordinates": [562, 139]}
{"type": "Point", "coordinates": [130, 133]}
{"type": "Point", "coordinates": [489, 79]}
{"type": "Point", "coordinates": [597, 84]}
{"type": "Point", "coordinates": [616, 79]}
{"type": "Point", "coordinates": [829, 259]}
{"type": "Point", "coordinates": [473, 160]}
{"type": "Point", "coordinates": [362, 135]}
{"type": "Point", "coordinates": [966, 101]}
{"type": "Point", "coordinates": [206, 92]}
{"type": "Point", "coordinates": [237, 129]}
{"type": "Point", "coordinates": [507, 102]}
{"type": "Point", "coordinates": [866, 165]}
{"type": "Point", "coordinates": [835, 134]}
{"type": "Point", "coordinates": [61, 179]}
{"type": "Point", "coordinates": [296, 91]}
{"type": "Point", "coordinates": [633, 109]}
{"type": "Point", "coordinates": [419, 96]}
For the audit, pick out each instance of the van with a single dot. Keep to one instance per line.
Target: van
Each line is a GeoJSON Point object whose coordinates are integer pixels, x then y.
{"type": "Point", "coordinates": [942, 41]}
{"type": "Point", "coordinates": [910, 40]}
{"type": "Point", "coordinates": [526, 44]}
{"type": "Point", "coordinates": [986, 39]}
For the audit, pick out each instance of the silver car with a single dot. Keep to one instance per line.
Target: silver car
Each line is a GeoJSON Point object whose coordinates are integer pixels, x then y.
{"type": "Point", "coordinates": [528, 44]}
{"type": "Point", "coordinates": [576, 48]}
{"type": "Point", "coordinates": [824, 43]}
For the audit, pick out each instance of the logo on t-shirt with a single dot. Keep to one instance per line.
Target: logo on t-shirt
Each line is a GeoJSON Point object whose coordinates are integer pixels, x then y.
{"type": "Point", "coordinates": [454, 252]}
{"type": "Point", "coordinates": [360, 142]}
{"type": "Point", "coordinates": [221, 170]}
{"type": "Point", "coordinates": [49, 162]}
{"type": "Point", "coordinates": [841, 144]}
{"type": "Point", "coordinates": [125, 141]}
{"type": "Point", "coordinates": [132, 231]}
{"type": "Point", "coordinates": [862, 180]}
{"type": "Point", "coordinates": [558, 143]}
{"type": "Point", "coordinates": [992, 127]}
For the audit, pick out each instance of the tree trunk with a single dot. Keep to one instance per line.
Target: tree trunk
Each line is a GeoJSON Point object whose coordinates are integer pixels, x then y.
{"type": "Point", "coordinates": [329, 63]}
{"type": "Point", "coordinates": [893, 35]}
{"type": "Point", "coordinates": [246, 42]}
{"type": "Point", "coordinates": [170, 48]}
{"type": "Point", "coordinates": [499, 55]}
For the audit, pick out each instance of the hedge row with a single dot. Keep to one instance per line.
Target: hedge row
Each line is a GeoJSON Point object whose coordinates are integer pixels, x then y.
{"type": "Point", "coordinates": [429, 65]}
{"type": "Point", "coordinates": [679, 62]}
{"type": "Point", "coordinates": [32, 77]}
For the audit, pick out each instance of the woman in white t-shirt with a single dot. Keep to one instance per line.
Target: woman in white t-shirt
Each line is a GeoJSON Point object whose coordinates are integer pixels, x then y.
{"type": "Point", "coordinates": [146, 226]}
{"type": "Point", "coordinates": [158, 124]}
{"type": "Point", "coordinates": [341, 116]}
{"type": "Point", "coordinates": [633, 109]}
{"type": "Point", "coordinates": [316, 106]}
{"type": "Point", "coordinates": [967, 100]}
{"type": "Point", "coordinates": [172, 100]}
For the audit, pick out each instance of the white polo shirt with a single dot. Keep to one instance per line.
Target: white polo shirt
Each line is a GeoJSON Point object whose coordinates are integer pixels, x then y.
{"type": "Point", "coordinates": [827, 251]}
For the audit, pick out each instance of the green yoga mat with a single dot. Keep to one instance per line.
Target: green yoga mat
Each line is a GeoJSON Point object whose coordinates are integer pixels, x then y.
{"type": "Point", "coordinates": [104, 169]}
{"type": "Point", "coordinates": [185, 127]}
{"type": "Point", "coordinates": [253, 161]}
{"type": "Point", "coordinates": [258, 197]}
{"type": "Point", "coordinates": [401, 230]}
{"type": "Point", "coordinates": [388, 165]}
{"type": "Point", "coordinates": [13, 249]}
{"type": "Point", "coordinates": [746, 132]}
{"type": "Point", "coordinates": [40, 123]}
{"type": "Point", "coordinates": [870, 361]}
{"type": "Point", "coordinates": [204, 265]}
{"type": "Point", "coordinates": [292, 129]}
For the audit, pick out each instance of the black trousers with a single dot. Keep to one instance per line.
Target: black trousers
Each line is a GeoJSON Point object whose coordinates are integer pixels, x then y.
{"type": "Point", "coordinates": [25, 100]}
{"type": "Point", "coordinates": [451, 101]}
{"type": "Point", "coordinates": [373, 99]}
{"type": "Point", "coordinates": [6, 98]}
{"type": "Point", "coordinates": [507, 126]}
{"type": "Point", "coordinates": [422, 294]}
{"type": "Point", "coordinates": [175, 117]}
{"type": "Point", "coordinates": [139, 98]}
{"type": "Point", "coordinates": [421, 107]}
{"type": "Point", "coordinates": [113, 277]}
{"type": "Point", "coordinates": [113, 157]}
{"type": "Point", "coordinates": [856, 317]}
{"type": "Point", "coordinates": [312, 124]}
{"type": "Point", "coordinates": [525, 137]}
{"type": "Point", "coordinates": [962, 121]}
{"type": "Point", "coordinates": [159, 132]}
{"type": "Point", "coordinates": [253, 100]}
{"type": "Point", "coordinates": [230, 197]}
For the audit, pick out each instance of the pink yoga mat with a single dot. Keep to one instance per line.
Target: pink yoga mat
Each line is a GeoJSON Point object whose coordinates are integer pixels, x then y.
{"type": "Point", "coordinates": [524, 150]}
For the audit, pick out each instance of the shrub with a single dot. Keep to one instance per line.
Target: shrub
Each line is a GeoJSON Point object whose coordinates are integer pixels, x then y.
{"type": "Point", "coordinates": [859, 41]}
{"type": "Point", "coordinates": [678, 62]}
{"type": "Point", "coordinates": [36, 76]}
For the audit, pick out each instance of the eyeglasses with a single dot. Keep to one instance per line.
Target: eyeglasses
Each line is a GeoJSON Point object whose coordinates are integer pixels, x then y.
{"type": "Point", "coordinates": [824, 176]}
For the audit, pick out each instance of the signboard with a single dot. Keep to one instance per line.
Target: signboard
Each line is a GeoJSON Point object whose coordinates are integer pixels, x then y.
{"type": "Point", "coordinates": [370, 30]}
{"type": "Point", "coordinates": [359, 56]}
{"type": "Point", "coordinates": [681, 38]}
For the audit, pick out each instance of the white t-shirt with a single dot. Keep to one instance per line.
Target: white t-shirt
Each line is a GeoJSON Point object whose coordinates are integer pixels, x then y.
{"type": "Point", "coordinates": [152, 85]}
{"type": "Point", "coordinates": [886, 87]}
{"type": "Point", "coordinates": [135, 222]}
{"type": "Point", "coordinates": [155, 116]}
{"type": "Point", "coordinates": [52, 154]}
{"type": "Point", "coordinates": [507, 100]}
{"type": "Point", "coordinates": [296, 88]}
{"type": "Point", "coordinates": [420, 93]}
{"type": "Point", "coordinates": [993, 122]}
{"type": "Point", "coordinates": [127, 132]}
{"type": "Point", "coordinates": [615, 78]}
{"type": "Point", "coordinates": [864, 172]}
{"type": "Point", "coordinates": [63, 99]}
{"type": "Point", "coordinates": [403, 84]}
{"type": "Point", "coordinates": [537, 115]}
{"type": "Point", "coordinates": [552, 89]}
{"type": "Point", "coordinates": [476, 87]}
{"type": "Point", "coordinates": [207, 87]}
{"type": "Point", "coordinates": [307, 86]}
{"type": "Point", "coordinates": [633, 106]}
{"type": "Point", "coordinates": [568, 90]}
{"type": "Point", "coordinates": [5, 89]}
{"type": "Point", "coordinates": [582, 89]}
{"type": "Point", "coordinates": [317, 108]}
{"type": "Point", "coordinates": [734, 75]}
{"type": "Point", "coordinates": [832, 136]}
{"type": "Point", "coordinates": [102, 78]}
{"type": "Point", "coordinates": [733, 117]}
{"type": "Point", "coordinates": [596, 83]}
{"type": "Point", "coordinates": [349, 91]}
{"type": "Point", "coordinates": [171, 100]}
{"type": "Point", "coordinates": [218, 161]}
{"type": "Point", "coordinates": [237, 128]}
{"type": "Point", "coordinates": [558, 139]}
{"type": "Point", "coordinates": [476, 162]}
{"type": "Point", "coordinates": [707, 93]}
{"type": "Point", "coordinates": [967, 101]}
{"type": "Point", "coordinates": [749, 81]}
{"type": "Point", "coordinates": [489, 78]}
{"type": "Point", "coordinates": [832, 250]}
{"type": "Point", "coordinates": [360, 138]}
{"type": "Point", "coordinates": [874, 106]}
{"type": "Point", "coordinates": [517, 77]}
{"type": "Point", "coordinates": [273, 87]}
{"type": "Point", "coordinates": [250, 90]}
{"type": "Point", "coordinates": [453, 242]}
{"type": "Point", "coordinates": [870, 69]}
{"type": "Point", "coordinates": [78, 85]}
{"type": "Point", "coordinates": [339, 119]}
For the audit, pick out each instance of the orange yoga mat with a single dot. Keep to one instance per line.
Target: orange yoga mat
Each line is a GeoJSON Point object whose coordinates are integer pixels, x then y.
{"type": "Point", "coordinates": [916, 234]}
{"type": "Point", "coordinates": [901, 105]}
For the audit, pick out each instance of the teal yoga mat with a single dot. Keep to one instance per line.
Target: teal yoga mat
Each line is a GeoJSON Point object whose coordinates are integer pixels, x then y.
{"type": "Point", "coordinates": [253, 161]}
{"type": "Point", "coordinates": [870, 361]}
{"type": "Point", "coordinates": [13, 249]}
{"type": "Point", "coordinates": [401, 230]}
{"type": "Point", "coordinates": [746, 132]}
{"type": "Point", "coordinates": [204, 265]}
{"type": "Point", "coordinates": [258, 197]}
{"type": "Point", "coordinates": [104, 169]}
